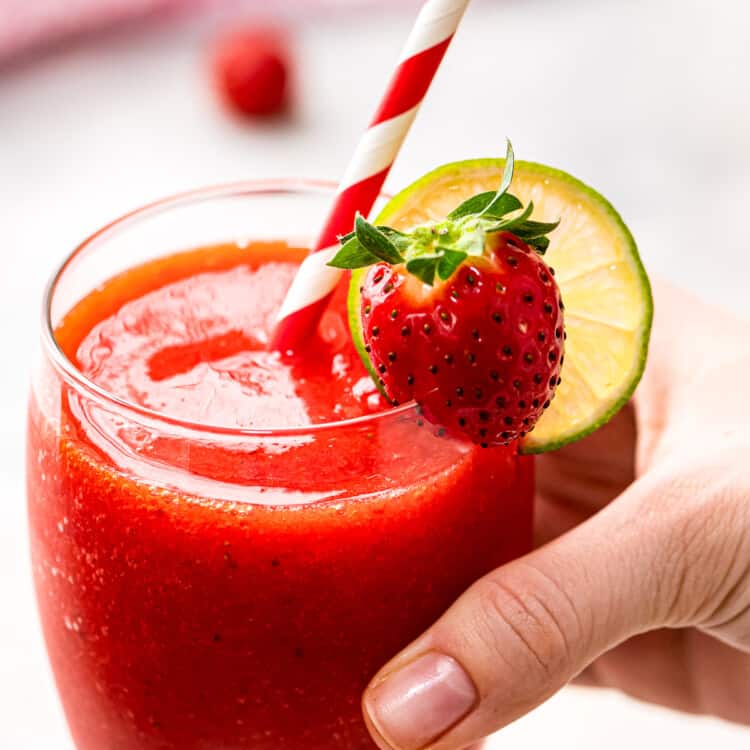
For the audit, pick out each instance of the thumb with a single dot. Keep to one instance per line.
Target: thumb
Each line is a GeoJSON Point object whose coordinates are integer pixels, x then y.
{"type": "Point", "coordinates": [523, 631]}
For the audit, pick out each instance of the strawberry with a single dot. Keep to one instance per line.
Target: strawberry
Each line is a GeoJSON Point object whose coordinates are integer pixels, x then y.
{"type": "Point", "coordinates": [251, 70]}
{"type": "Point", "coordinates": [463, 316]}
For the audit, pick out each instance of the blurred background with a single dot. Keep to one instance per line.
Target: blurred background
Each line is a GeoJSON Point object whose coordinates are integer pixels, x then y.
{"type": "Point", "coordinates": [108, 104]}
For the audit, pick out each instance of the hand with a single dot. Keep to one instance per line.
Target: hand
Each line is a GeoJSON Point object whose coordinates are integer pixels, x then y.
{"type": "Point", "coordinates": [643, 579]}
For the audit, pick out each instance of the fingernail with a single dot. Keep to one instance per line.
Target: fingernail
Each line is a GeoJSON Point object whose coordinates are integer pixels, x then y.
{"type": "Point", "coordinates": [415, 705]}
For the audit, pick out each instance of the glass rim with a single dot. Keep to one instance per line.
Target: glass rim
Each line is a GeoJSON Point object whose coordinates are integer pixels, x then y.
{"type": "Point", "coordinates": [71, 373]}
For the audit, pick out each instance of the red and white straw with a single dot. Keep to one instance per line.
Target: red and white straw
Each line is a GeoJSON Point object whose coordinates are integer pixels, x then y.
{"type": "Point", "coordinates": [315, 281]}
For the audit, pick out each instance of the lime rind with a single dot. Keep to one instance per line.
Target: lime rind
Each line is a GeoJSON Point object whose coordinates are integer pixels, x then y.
{"type": "Point", "coordinates": [355, 326]}
{"type": "Point", "coordinates": [435, 194]}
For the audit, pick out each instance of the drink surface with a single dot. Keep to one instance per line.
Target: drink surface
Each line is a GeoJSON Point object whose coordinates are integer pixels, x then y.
{"type": "Point", "coordinates": [197, 348]}
{"type": "Point", "coordinates": [199, 593]}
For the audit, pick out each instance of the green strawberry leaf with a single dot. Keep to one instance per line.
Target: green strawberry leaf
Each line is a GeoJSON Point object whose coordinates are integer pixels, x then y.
{"type": "Point", "coordinates": [510, 161]}
{"type": "Point", "coordinates": [540, 244]}
{"type": "Point", "coordinates": [376, 242]}
{"type": "Point", "coordinates": [480, 203]}
{"type": "Point", "coordinates": [501, 206]}
{"type": "Point", "coordinates": [509, 225]}
{"type": "Point", "coordinates": [393, 234]}
{"type": "Point", "coordinates": [530, 230]}
{"type": "Point", "coordinates": [424, 268]}
{"type": "Point", "coordinates": [492, 205]}
{"type": "Point", "coordinates": [353, 255]}
{"type": "Point", "coordinates": [449, 261]}
{"type": "Point", "coordinates": [474, 205]}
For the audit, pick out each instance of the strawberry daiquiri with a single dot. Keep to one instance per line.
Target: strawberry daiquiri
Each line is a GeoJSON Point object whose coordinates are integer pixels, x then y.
{"type": "Point", "coordinates": [227, 544]}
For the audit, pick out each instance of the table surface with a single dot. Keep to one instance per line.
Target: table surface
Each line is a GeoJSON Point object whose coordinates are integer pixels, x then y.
{"type": "Point", "coordinates": [647, 100]}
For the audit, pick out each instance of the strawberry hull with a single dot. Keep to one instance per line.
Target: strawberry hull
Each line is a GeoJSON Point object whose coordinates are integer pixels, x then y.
{"type": "Point", "coordinates": [198, 591]}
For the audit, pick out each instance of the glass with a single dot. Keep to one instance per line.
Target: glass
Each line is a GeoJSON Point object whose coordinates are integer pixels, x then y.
{"type": "Point", "coordinates": [202, 587]}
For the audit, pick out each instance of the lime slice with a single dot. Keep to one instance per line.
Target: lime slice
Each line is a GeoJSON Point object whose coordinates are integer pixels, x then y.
{"type": "Point", "coordinates": [608, 305]}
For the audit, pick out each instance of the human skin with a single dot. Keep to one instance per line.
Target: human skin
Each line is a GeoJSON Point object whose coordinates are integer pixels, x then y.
{"type": "Point", "coordinates": [641, 580]}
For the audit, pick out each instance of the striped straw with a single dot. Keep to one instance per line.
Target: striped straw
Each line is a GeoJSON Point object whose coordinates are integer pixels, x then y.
{"type": "Point", "coordinates": [314, 283]}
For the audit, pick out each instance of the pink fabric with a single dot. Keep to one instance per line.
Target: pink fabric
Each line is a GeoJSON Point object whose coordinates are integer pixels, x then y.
{"type": "Point", "coordinates": [30, 24]}
{"type": "Point", "coordinates": [25, 24]}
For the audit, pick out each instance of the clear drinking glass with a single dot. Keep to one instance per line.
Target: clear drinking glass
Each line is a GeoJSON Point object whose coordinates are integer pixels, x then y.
{"type": "Point", "coordinates": [202, 587]}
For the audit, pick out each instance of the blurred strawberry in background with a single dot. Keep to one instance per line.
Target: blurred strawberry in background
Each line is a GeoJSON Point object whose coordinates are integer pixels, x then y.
{"type": "Point", "coordinates": [251, 68]}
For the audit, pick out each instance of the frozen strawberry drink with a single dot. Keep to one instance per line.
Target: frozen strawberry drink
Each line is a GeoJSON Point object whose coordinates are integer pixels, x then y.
{"type": "Point", "coordinates": [227, 543]}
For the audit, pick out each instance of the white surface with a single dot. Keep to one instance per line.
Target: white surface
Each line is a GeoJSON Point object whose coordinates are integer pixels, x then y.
{"type": "Point", "coordinates": [648, 100]}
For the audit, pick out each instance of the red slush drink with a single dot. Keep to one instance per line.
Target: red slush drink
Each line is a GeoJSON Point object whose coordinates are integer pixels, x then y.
{"type": "Point", "coordinates": [228, 545]}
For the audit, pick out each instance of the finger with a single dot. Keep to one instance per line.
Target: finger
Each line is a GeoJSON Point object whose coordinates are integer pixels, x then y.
{"type": "Point", "coordinates": [579, 480]}
{"type": "Point", "coordinates": [590, 473]}
{"type": "Point", "coordinates": [524, 631]}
